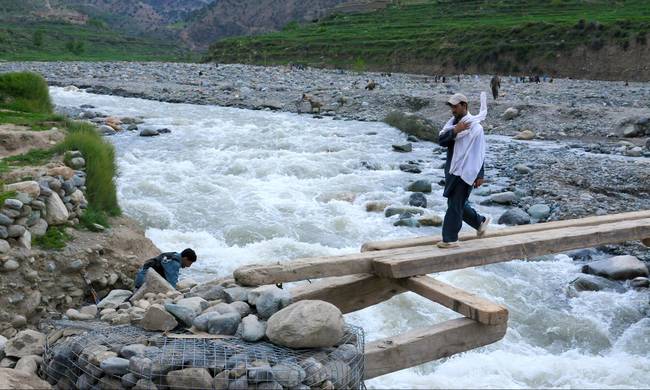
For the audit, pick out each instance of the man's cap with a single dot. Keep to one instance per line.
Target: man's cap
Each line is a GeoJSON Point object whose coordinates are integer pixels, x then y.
{"type": "Point", "coordinates": [457, 98]}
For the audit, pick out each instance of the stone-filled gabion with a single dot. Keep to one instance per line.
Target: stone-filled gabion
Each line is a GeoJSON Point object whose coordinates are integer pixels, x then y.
{"type": "Point", "coordinates": [97, 355]}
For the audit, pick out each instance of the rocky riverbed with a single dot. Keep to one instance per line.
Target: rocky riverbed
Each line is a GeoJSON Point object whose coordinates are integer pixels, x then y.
{"type": "Point", "coordinates": [556, 150]}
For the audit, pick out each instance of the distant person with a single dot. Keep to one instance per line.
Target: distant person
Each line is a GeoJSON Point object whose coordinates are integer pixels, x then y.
{"type": "Point", "coordinates": [464, 139]}
{"type": "Point", "coordinates": [168, 265]}
{"type": "Point", "coordinates": [627, 84]}
{"type": "Point", "coordinates": [495, 84]}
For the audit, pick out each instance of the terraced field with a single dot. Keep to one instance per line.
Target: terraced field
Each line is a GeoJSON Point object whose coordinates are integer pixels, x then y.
{"type": "Point", "coordinates": [503, 35]}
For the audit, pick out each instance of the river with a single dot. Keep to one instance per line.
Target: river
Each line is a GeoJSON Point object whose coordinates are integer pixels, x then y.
{"type": "Point", "coordinates": [244, 186]}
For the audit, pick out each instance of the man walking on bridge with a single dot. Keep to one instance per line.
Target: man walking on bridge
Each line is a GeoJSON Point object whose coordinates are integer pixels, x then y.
{"type": "Point", "coordinates": [464, 139]}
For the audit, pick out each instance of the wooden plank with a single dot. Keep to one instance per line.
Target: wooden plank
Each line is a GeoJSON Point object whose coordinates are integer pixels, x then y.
{"type": "Point", "coordinates": [432, 240]}
{"type": "Point", "coordinates": [303, 269]}
{"type": "Point", "coordinates": [427, 259]}
{"type": "Point", "coordinates": [424, 345]}
{"type": "Point", "coordinates": [309, 268]}
{"type": "Point", "coordinates": [349, 293]}
{"type": "Point", "coordinates": [463, 302]}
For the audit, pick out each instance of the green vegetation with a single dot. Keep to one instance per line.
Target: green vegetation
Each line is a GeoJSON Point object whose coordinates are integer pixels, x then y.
{"type": "Point", "coordinates": [25, 100]}
{"type": "Point", "coordinates": [32, 158]}
{"type": "Point", "coordinates": [7, 194]}
{"type": "Point", "coordinates": [505, 35]}
{"type": "Point", "coordinates": [91, 218]}
{"type": "Point", "coordinates": [100, 165]}
{"type": "Point", "coordinates": [36, 121]}
{"type": "Point", "coordinates": [59, 41]}
{"type": "Point", "coordinates": [55, 238]}
{"type": "Point", "coordinates": [24, 91]}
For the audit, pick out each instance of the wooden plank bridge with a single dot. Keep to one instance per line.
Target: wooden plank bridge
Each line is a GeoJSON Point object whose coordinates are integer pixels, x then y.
{"type": "Point", "coordinates": [385, 269]}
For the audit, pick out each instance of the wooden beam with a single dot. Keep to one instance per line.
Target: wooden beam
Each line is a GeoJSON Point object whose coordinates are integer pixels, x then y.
{"type": "Point", "coordinates": [424, 345]}
{"type": "Point", "coordinates": [432, 240]}
{"type": "Point", "coordinates": [428, 259]}
{"type": "Point", "coordinates": [463, 302]}
{"type": "Point", "coordinates": [349, 293]}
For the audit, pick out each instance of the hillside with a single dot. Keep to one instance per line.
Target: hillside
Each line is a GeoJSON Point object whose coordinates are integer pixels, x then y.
{"type": "Point", "coordinates": [578, 38]}
{"type": "Point", "coordinates": [227, 18]}
{"type": "Point", "coordinates": [141, 29]}
{"type": "Point", "coordinates": [64, 30]}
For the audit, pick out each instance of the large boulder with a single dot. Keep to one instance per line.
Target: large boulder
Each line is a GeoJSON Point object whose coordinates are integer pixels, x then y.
{"type": "Point", "coordinates": [513, 217]}
{"type": "Point", "coordinates": [525, 135]}
{"type": "Point", "coordinates": [26, 342]}
{"type": "Point", "coordinates": [115, 366]}
{"type": "Point", "coordinates": [617, 268]}
{"type": "Point", "coordinates": [31, 188]}
{"type": "Point", "coordinates": [57, 213]}
{"type": "Point", "coordinates": [420, 186]}
{"type": "Point", "coordinates": [539, 211]}
{"type": "Point", "coordinates": [252, 328]}
{"type": "Point", "coordinates": [418, 200]}
{"type": "Point", "coordinates": [225, 324]}
{"type": "Point", "coordinates": [190, 378]}
{"type": "Point", "coordinates": [306, 324]}
{"type": "Point", "coordinates": [595, 283]}
{"type": "Point", "coordinates": [153, 283]}
{"type": "Point", "coordinates": [114, 299]}
{"type": "Point", "coordinates": [15, 379]}
{"type": "Point", "coordinates": [208, 291]}
{"type": "Point", "coordinates": [505, 198]}
{"type": "Point", "coordinates": [510, 113]}
{"type": "Point", "coordinates": [412, 124]}
{"type": "Point", "coordinates": [270, 300]}
{"type": "Point", "coordinates": [157, 318]}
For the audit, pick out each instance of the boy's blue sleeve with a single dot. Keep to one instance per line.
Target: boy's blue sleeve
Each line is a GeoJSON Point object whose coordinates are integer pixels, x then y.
{"type": "Point", "coordinates": [139, 277]}
{"type": "Point", "coordinates": [172, 269]}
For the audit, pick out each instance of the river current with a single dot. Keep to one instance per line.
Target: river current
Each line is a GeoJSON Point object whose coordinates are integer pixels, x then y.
{"type": "Point", "coordinates": [243, 186]}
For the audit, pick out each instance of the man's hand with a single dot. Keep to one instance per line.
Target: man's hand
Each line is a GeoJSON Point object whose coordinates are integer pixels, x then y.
{"type": "Point", "coordinates": [460, 127]}
{"type": "Point", "coordinates": [479, 182]}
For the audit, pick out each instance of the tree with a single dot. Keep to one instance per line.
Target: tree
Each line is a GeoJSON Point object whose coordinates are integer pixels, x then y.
{"type": "Point", "coordinates": [38, 38]}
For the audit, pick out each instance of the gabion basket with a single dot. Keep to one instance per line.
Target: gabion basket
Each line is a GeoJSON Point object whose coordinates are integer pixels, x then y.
{"type": "Point", "coordinates": [113, 357]}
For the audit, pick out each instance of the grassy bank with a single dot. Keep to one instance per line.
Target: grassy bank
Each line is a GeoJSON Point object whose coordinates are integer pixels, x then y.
{"type": "Point", "coordinates": [505, 35]}
{"type": "Point", "coordinates": [24, 99]}
{"type": "Point", "coordinates": [58, 41]}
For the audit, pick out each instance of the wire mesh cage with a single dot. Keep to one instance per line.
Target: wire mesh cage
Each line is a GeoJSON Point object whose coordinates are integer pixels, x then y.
{"type": "Point", "coordinates": [97, 356]}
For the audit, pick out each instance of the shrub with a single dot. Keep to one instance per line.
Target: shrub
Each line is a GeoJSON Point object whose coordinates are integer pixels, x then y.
{"type": "Point", "coordinates": [24, 91]}
{"type": "Point", "coordinates": [54, 238]}
{"type": "Point", "coordinates": [359, 65]}
{"type": "Point", "coordinates": [75, 46]}
{"type": "Point", "coordinates": [100, 165]}
{"type": "Point", "coordinates": [91, 217]}
{"type": "Point", "coordinates": [38, 38]}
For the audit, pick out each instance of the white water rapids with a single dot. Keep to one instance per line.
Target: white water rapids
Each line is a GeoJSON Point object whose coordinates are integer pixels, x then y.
{"type": "Point", "coordinates": [244, 186]}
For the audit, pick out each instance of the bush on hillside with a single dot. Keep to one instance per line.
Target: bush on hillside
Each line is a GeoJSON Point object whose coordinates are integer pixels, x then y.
{"type": "Point", "coordinates": [100, 165]}
{"type": "Point", "coordinates": [24, 91]}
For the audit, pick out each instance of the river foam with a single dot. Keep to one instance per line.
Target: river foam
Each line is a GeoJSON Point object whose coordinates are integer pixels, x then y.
{"type": "Point", "coordinates": [251, 186]}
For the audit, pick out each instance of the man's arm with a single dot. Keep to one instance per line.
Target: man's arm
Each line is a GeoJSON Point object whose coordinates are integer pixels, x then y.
{"type": "Point", "coordinates": [445, 139]}
{"type": "Point", "coordinates": [172, 269]}
{"type": "Point", "coordinates": [480, 177]}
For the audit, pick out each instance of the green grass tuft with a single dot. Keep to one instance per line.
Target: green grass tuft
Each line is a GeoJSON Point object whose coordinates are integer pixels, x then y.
{"type": "Point", "coordinates": [25, 91]}
{"type": "Point", "coordinates": [6, 195]}
{"type": "Point", "coordinates": [100, 165]}
{"type": "Point", "coordinates": [34, 157]}
{"type": "Point", "coordinates": [90, 217]}
{"type": "Point", "coordinates": [55, 238]}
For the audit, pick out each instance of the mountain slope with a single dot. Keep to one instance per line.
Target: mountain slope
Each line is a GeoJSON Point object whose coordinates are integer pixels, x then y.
{"type": "Point", "coordinates": [226, 18]}
{"type": "Point", "coordinates": [464, 36]}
